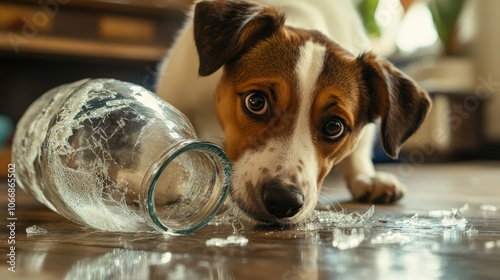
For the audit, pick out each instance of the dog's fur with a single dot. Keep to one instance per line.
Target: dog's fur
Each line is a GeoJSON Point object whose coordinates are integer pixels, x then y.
{"type": "Point", "coordinates": [301, 61]}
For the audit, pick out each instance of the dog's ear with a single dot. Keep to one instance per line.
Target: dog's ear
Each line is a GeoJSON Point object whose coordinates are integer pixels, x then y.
{"type": "Point", "coordinates": [223, 29]}
{"type": "Point", "coordinates": [396, 99]}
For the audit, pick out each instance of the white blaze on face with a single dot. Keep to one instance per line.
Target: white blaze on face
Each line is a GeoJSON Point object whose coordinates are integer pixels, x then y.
{"type": "Point", "coordinates": [301, 146]}
{"type": "Point", "coordinates": [292, 160]}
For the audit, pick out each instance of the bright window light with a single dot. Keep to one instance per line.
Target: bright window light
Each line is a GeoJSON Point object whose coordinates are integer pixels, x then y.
{"type": "Point", "coordinates": [416, 30]}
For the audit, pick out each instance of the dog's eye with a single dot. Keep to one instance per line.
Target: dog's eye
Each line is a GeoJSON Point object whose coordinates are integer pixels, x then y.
{"type": "Point", "coordinates": [334, 129]}
{"type": "Point", "coordinates": [256, 103]}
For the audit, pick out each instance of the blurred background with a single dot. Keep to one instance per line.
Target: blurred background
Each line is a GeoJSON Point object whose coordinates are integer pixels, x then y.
{"type": "Point", "coordinates": [451, 47]}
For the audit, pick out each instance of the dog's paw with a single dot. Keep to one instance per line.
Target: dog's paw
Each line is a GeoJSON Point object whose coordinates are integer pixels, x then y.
{"type": "Point", "coordinates": [381, 188]}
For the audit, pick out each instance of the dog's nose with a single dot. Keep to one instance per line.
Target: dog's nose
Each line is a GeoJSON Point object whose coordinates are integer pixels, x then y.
{"type": "Point", "coordinates": [282, 201]}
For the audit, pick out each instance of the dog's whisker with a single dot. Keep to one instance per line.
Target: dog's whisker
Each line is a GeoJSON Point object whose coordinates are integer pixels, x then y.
{"type": "Point", "coordinates": [329, 202]}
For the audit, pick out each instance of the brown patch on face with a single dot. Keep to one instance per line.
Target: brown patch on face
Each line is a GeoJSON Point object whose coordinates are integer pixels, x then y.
{"type": "Point", "coordinates": [331, 103]}
{"type": "Point", "coordinates": [269, 68]}
{"type": "Point", "coordinates": [337, 96]}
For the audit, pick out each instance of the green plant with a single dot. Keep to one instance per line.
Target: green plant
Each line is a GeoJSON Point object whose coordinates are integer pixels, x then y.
{"type": "Point", "coordinates": [366, 9]}
{"type": "Point", "coordinates": [445, 14]}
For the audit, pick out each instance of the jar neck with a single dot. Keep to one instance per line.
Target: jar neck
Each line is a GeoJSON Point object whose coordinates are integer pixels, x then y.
{"type": "Point", "coordinates": [185, 187]}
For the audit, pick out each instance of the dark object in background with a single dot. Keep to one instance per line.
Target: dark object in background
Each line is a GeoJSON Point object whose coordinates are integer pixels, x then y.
{"type": "Point", "coordinates": [49, 43]}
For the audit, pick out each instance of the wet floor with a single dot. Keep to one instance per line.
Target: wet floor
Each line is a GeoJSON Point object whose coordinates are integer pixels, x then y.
{"type": "Point", "coordinates": [447, 227]}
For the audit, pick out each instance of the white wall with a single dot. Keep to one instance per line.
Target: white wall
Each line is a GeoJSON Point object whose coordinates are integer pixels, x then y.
{"type": "Point", "coordinates": [485, 48]}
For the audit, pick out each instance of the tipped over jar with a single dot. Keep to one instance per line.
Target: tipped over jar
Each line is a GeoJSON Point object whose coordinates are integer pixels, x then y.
{"type": "Point", "coordinates": [113, 156]}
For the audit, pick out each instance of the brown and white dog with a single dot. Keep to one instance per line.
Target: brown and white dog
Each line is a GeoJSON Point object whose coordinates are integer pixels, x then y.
{"type": "Point", "coordinates": [285, 87]}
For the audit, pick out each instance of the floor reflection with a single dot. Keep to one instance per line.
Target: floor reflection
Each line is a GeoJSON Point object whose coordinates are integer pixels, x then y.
{"type": "Point", "coordinates": [448, 240]}
{"type": "Point", "coordinates": [413, 244]}
{"type": "Point", "coordinates": [139, 264]}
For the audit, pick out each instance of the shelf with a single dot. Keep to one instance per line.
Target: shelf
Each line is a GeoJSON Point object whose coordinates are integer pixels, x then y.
{"type": "Point", "coordinates": [66, 46]}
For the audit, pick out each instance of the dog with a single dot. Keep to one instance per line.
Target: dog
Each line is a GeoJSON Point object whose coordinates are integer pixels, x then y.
{"type": "Point", "coordinates": [287, 91]}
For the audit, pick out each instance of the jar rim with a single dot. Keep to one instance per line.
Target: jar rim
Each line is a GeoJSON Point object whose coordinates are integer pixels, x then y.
{"type": "Point", "coordinates": [155, 171]}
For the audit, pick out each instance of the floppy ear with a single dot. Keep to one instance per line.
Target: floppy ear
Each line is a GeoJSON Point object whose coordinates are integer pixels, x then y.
{"type": "Point", "coordinates": [396, 99]}
{"type": "Point", "coordinates": [225, 29]}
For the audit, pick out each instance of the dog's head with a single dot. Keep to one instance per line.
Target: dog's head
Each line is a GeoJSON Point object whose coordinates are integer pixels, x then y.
{"type": "Point", "coordinates": [293, 103]}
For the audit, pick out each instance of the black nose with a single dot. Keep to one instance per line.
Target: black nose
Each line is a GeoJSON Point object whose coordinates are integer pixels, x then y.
{"type": "Point", "coordinates": [282, 201]}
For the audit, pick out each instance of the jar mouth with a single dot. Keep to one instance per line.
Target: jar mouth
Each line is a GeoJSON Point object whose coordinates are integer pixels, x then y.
{"type": "Point", "coordinates": [186, 186]}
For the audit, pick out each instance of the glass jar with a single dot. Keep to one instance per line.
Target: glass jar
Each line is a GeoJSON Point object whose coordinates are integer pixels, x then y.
{"type": "Point", "coordinates": [113, 156]}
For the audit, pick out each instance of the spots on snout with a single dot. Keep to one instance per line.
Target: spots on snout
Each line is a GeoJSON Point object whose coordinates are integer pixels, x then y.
{"type": "Point", "coordinates": [279, 168]}
{"type": "Point", "coordinates": [254, 171]}
{"type": "Point", "coordinates": [249, 184]}
{"type": "Point", "coordinates": [299, 168]}
{"type": "Point", "coordinates": [295, 175]}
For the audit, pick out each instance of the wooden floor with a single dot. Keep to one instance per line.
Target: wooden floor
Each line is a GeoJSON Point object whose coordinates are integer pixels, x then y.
{"type": "Point", "coordinates": [397, 244]}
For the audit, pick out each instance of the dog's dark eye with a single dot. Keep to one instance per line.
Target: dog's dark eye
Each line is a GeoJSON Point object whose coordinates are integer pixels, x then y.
{"type": "Point", "coordinates": [256, 103]}
{"type": "Point", "coordinates": [334, 129]}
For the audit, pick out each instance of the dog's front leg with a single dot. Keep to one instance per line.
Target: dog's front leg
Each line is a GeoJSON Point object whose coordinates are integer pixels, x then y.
{"type": "Point", "coordinates": [365, 184]}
